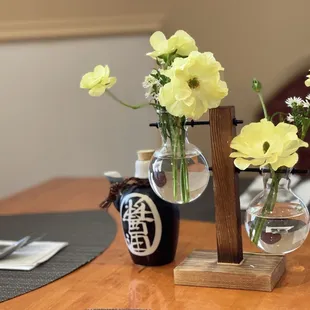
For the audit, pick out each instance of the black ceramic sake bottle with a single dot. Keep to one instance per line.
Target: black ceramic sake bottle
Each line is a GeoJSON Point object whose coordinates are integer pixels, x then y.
{"type": "Point", "coordinates": [150, 224]}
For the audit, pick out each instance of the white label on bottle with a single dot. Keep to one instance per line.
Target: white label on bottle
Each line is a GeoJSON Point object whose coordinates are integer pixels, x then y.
{"type": "Point", "coordinates": [139, 211]}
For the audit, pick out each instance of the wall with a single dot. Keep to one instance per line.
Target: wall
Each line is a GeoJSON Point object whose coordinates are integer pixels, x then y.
{"type": "Point", "coordinates": [49, 127]}
{"type": "Point", "coordinates": [30, 19]}
{"type": "Point", "coordinates": [265, 39]}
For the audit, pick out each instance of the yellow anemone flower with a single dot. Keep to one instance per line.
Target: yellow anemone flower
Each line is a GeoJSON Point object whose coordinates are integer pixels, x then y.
{"type": "Point", "coordinates": [307, 81]}
{"type": "Point", "coordinates": [97, 81]}
{"type": "Point", "coordinates": [195, 85]}
{"type": "Point", "coordinates": [263, 143]}
{"type": "Point", "coordinates": [181, 42]}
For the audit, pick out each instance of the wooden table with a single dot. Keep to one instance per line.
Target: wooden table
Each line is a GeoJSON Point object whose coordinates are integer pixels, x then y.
{"type": "Point", "coordinates": [112, 281]}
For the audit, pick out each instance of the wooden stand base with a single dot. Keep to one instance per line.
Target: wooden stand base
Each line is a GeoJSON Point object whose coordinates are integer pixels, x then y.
{"type": "Point", "coordinates": [259, 272]}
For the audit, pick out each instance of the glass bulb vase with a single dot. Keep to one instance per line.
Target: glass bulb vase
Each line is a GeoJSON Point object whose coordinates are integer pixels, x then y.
{"type": "Point", "coordinates": [277, 220]}
{"type": "Point", "coordinates": [178, 172]}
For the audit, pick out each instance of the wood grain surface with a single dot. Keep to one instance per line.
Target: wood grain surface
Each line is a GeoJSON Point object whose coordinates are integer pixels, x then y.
{"type": "Point", "coordinates": [258, 271]}
{"type": "Point", "coordinates": [112, 281]}
{"type": "Point", "coordinates": [225, 184]}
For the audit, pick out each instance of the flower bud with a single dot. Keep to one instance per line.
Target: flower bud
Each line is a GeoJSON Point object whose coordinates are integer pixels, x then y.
{"type": "Point", "coordinates": [256, 85]}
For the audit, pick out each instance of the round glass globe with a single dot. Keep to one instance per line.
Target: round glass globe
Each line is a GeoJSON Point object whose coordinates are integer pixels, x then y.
{"type": "Point", "coordinates": [282, 229]}
{"type": "Point", "coordinates": [168, 186]}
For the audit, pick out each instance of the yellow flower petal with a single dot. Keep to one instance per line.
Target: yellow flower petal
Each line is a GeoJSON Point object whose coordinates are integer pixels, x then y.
{"type": "Point", "coordinates": [273, 159]}
{"type": "Point", "coordinates": [100, 70]}
{"type": "Point", "coordinates": [307, 82]}
{"type": "Point", "coordinates": [284, 129]}
{"type": "Point", "coordinates": [185, 43]}
{"type": "Point", "coordinates": [175, 109]}
{"type": "Point", "coordinates": [183, 92]}
{"type": "Point", "coordinates": [111, 82]}
{"type": "Point", "coordinates": [153, 54]}
{"type": "Point", "coordinates": [195, 86]}
{"type": "Point", "coordinates": [237, 154]}
{"type": "Point", "coordinates": [289, 161]}
{"type": "Point", "coordinates": [97, 81]}
{"type": "Point", "coordinates": [157, 39]}
{"type": "Point", "coordinates": [89, 80]}
{"type": "Point", "coordinates": [189, 102]}
{"type": "Point", "coordinates": [181, 42]}
{"type": "Point", "coordinates": [292, 146]}
{"type": "Point", "coordinates": [263, 143]}
{"type": "Point", "coordinates": [214, 91]}
{"type": "Point", "coordinates": [257, 161]}
{"type": "Point", "coordinates": [241, 163]}
{"type": "Point", "coordinates": [166, 95]}
{"type": "Point", "coordinates": [97, 90]}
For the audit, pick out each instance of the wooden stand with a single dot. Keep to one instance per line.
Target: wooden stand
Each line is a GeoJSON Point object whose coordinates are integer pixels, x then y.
{"type": "Point", "coordinates": [229, 267]}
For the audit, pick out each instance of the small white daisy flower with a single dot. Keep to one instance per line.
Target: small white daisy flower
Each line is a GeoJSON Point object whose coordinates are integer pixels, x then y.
{"type": "Point", "coordinates": [306, 104]}
{"type": "Point", "coordinates": [308, 97]}
{"type": "Point", "coordinates": [296, 100]}
{"type": "Point", "coordinates": [289, 101]}
{"type": "Point", "coordinates": [290, 118]}
{"type": "Point", "coordinates": [151, 95]}
{"type": "Point", "coordinates": [149, 81]}
{"type": "Point", "coordinates": [145, 84]}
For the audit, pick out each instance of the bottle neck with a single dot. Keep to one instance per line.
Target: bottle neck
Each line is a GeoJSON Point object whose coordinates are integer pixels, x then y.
{"type": "Point", "coordinates": [168, 141]}
{"type": "Point", "coordinates": [282, 178]}
{"type": "Point", "coordinates": [172, 129]}
{"type": "Point", "coordinates": [142, 169]}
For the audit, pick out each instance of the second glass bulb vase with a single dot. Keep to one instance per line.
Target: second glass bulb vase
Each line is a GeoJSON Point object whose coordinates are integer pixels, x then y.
{"type": "Point", "coordinates": [277, 220]}
{"type": "Point", "coordinates": [178, 172]}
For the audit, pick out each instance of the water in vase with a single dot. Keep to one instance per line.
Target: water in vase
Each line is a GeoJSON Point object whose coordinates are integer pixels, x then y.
{"type": "Point", "coordinates": [284, 229]}
{"type": "Point", "coordinates": [161, 176]}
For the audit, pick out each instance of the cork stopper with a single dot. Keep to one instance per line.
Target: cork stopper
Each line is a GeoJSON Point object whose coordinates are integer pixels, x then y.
{"type": "Point", "coordinates": [145, 155]}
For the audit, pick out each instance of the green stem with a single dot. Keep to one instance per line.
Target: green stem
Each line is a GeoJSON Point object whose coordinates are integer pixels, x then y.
{"type": "Point", "coordinates": [274, 198]}
{"type": "Point", "coordinates": [184, 171]}
{"type": "Point", "coordinates": [173, 132]}
{"type": "Point", "coordinates": [168, 131]}
{"type": "Point", "coordinates": [134, 107]}
{"type": "Point", "coordinates": [175, 170]}
{"type": "Point", "coordinates": [259, 221]}
{"type": "Point", "coordinates": [304, 130]}
{"type": "Point", "coordinates": [182, 183]}
{"type": "Point", "coordinates": [268, 207]}
{"type": "Point", "coordinates": [174, 147]}
{"type": "Point", "coordinates": [183, 194]}
{"type": "Point", "coordinates": [278, 113]}
{"type": "Point", "coordinates": [260, 96]}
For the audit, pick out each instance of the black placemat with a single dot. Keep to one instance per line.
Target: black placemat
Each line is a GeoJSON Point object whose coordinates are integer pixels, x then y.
{"type": "Point", "coordinates": [89, 233]}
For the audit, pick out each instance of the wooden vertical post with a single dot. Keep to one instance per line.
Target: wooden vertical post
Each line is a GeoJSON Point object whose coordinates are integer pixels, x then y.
{"type": "Point", "coordinates": [225, 183]}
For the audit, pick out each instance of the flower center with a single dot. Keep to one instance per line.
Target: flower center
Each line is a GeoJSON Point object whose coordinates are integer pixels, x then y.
{"type": "Point", "coordinates": [193, 83]}
{"type": "Point", "coordinates": [266, 147]}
